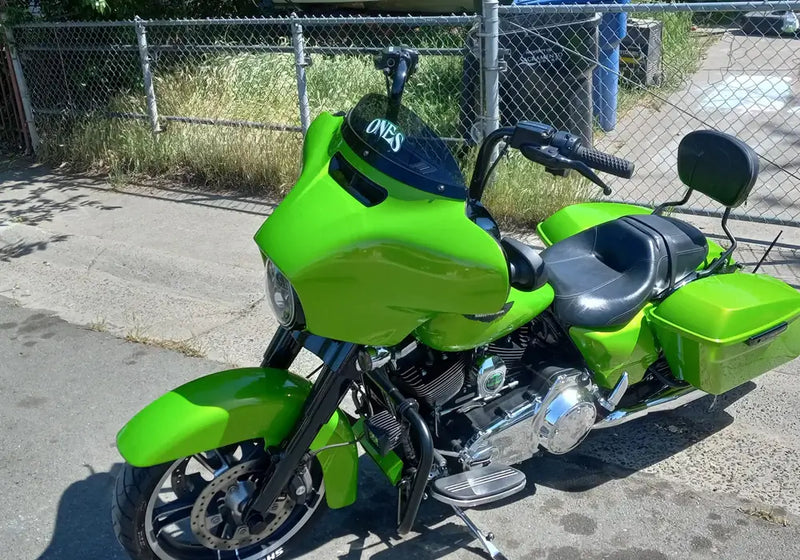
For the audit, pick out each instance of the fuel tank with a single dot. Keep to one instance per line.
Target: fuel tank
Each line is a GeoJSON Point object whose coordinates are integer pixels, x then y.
{"type": "Point", "coordinates": [450, 332]}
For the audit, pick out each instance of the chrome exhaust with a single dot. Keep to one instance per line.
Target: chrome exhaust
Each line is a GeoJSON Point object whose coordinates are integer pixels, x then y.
{"type": "Point", "coordinates": [668, 399]}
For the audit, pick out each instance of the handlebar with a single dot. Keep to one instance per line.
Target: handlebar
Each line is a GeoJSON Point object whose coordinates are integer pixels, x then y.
{"type": "Point", "coordinates": [556, 150]}
{"type": "Point", "coordinates": [604, 162]}
{"type": "Point", "coordinates": [480, 175]}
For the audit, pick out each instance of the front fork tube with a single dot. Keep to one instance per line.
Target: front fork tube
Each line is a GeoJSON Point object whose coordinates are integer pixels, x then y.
{"type": "Point", "coordinates": [332, 385]}
{"type": "Point", "coordinates": [283, 349]}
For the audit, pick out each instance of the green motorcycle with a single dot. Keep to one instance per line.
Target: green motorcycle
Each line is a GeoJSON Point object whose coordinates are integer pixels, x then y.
{"type": "Point", "coordinates": [463, 351]}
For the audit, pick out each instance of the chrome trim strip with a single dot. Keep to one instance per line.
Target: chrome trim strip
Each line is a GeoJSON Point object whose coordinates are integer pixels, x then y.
{"type": "Point", "coordinates": [478, 501]}
{"type": "Point", "coordinates": [668, 399]}
{"type": "Point", "coordinates": [480, 481]}
{"type": "Point", "coordinates": [610, 403]}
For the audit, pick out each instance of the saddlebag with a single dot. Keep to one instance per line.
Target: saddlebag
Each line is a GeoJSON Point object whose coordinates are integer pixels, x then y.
{"type": "Point", "coordinates": [719, 332]}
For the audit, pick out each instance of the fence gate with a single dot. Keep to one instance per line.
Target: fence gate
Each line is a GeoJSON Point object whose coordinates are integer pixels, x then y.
{"type": "Point", "coordinates": [13, 134]}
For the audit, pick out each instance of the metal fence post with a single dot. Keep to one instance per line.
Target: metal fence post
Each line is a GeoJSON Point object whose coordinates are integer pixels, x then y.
{"type": "Point", "coordinates": [301, 62]}
{"type": "Point", "coordinates": [490, 65]}
{"type": "Point", "coordinates": [22, 87]}
{"type": "Point", "coordinates": [147, 75]}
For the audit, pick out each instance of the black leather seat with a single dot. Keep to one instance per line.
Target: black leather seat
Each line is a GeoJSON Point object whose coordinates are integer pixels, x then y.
{"type": "Point", "coordinates": [603, 276]}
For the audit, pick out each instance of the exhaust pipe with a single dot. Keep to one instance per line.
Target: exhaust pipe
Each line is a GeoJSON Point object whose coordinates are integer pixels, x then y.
{"type": "Point", "coordinates": [669, 399]}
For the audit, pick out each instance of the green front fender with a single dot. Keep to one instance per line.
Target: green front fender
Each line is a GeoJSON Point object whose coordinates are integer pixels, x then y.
{"type": "Point", "coordinates": [237, 405]}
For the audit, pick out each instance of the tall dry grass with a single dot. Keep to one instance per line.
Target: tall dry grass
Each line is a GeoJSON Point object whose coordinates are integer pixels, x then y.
{"type": "Point", "coordinates": [262, 88]}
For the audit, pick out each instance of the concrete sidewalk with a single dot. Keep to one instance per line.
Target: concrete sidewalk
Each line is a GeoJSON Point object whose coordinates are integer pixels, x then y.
{"type": "Point", "coordinates": [174, 264]}
{"type": "Point", "coordinates": [747, 86]}
{"type": "Point", "coordinates": [167, 264]}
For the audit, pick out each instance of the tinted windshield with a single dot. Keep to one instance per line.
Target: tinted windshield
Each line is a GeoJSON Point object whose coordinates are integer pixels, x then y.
{"type": "Point", "coordinates": [405, 148]}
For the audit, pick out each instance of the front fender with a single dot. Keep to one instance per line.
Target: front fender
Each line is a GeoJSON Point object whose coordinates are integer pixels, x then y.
{"type": "Point", "coordinates": [237, 405]}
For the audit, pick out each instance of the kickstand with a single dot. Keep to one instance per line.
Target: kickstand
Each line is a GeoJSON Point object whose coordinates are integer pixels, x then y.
{"type": "Point", "coordinates": [485, 540]}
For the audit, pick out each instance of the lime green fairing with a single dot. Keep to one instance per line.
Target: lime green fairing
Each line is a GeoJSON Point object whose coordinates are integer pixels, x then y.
{"type": "Point", "coordinates": [371, 275]}
{"type": "Point", "coordinates": [705, 329]}
{"type": "Point", "coordinates": [452, 332]}
{"type": "Point", "coordinates": [610, 352]}
{"type": "Point", "coordinates": [233, 406]}
{"type": "Point", "coordinates": [579, 217]}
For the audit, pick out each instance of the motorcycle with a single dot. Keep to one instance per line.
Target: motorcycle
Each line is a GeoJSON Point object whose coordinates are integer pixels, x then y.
{"type": "Point", "coordinates": [464, 351]}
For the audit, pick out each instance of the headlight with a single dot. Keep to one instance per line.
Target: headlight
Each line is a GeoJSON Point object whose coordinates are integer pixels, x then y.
{"type": "Point", "coordinates": [282, 297]}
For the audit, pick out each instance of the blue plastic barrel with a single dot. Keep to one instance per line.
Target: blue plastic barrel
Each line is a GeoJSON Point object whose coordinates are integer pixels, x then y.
{"type": "Point", "coordinates": [605, 79]}
{"type": "Point", "coordinates": [606, 76]}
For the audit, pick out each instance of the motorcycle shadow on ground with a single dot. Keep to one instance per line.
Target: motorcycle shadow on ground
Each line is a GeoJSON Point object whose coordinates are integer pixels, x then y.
{"type": "Point", "coordinates": [606, 455]}
{"type": "Point", "coordinates": [619, 452]}
{"type": "Point", "coordinates": [368, 526]}
{"type": "Point", "coordinates": [83, 528]}
{"type": "Point", "coordinates": [83, 520]}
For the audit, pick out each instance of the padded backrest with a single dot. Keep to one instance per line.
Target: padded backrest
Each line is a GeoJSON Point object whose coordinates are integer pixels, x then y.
{"type": "Point", "coordinates": [718, 165]}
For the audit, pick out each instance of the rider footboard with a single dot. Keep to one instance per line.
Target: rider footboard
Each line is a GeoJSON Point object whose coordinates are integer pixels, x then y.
{"type": "Point", "coordinates": [724, 330]}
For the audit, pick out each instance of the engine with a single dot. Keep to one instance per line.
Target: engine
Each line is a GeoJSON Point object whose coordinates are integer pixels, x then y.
{"type": "Point", "coordinates": [434, 378]}
{"type": "Point", "coordinates": [475, 398]}
{"type": "Point", "coordinates": [453, 381]}
{"type": "Point", "coordinates": [556, 411]}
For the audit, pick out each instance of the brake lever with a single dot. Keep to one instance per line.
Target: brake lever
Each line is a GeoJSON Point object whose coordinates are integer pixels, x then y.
{"type": "Point", "coordinates": [551, 158]}
{"type": "Point", "coordinates": [587, 172]}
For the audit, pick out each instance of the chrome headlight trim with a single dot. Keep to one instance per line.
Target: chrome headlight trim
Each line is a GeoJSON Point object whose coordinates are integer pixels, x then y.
{"type": "Point", "coordinates": [282, 297]}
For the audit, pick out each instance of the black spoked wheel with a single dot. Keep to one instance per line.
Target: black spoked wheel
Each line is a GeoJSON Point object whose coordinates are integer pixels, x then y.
{"type": "Point", "coordinates": [190, 509]}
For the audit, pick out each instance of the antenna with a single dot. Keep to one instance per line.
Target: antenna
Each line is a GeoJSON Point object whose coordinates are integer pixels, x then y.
{"type": "Point", "coordinates": [766, 253]}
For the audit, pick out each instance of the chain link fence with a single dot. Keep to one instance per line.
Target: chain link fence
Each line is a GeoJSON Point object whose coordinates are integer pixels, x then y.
{"type": "Point", "coordinates": [634, 79]}
{"type": "Point", "coordinates": [226, 101]}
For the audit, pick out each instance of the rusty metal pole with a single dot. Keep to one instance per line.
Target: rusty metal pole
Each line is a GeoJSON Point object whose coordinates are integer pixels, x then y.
{"type": "Point", "coordinates": [22, 90]}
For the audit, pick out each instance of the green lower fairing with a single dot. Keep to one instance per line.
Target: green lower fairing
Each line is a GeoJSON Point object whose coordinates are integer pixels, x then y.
{"type": "Point", "coordinates": [233, 406]}
{"type": "Point", "coordinates": [609, 352]}
{"type": "Point", "coordinates": [390, 464]}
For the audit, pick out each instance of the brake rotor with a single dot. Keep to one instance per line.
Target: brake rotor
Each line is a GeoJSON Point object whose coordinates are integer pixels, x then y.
{"type": "Point", "coordinates": [216, 515]}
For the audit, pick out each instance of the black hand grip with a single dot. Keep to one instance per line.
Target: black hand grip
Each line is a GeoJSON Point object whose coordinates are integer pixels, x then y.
{"type": "Point", "coordinates": [604, 162]}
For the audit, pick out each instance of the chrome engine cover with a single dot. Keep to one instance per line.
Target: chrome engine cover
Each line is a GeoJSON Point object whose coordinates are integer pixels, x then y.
{"type": "Point", "coordinates": [567, 418]}
{"type": "Point", "coordinates": [488, 375]}
{"type": "Point", "coordinates": [558, 420]}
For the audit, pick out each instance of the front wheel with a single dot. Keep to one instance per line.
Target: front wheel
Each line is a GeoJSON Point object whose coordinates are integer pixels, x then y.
{"type": "Point", "coordinates": [190, 509]}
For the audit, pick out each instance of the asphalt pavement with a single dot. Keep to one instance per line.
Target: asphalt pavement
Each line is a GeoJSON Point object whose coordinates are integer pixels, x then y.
{"type": "Point", "coordinates": [66, 391]}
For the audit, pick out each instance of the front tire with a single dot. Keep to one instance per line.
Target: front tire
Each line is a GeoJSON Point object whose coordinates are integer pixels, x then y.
{"type": "Point", "coordinates": [187, 509]}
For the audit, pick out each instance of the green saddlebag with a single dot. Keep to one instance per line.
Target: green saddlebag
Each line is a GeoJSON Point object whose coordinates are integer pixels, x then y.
{"type": "Point", "coordinates": [724, 330]}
